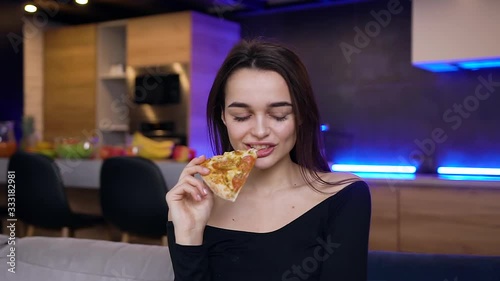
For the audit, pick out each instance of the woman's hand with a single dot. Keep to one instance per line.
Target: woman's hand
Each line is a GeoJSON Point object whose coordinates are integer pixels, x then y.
{"type": "Point", "coordinates": [190, 202]}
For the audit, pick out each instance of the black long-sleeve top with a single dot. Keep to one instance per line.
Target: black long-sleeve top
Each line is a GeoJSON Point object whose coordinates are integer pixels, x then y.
{"type": "Point", "coordinates": [328, 242]}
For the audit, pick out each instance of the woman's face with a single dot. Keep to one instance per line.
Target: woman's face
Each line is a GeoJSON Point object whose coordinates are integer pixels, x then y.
{"type": "Point", "coordinates": [258, 114]}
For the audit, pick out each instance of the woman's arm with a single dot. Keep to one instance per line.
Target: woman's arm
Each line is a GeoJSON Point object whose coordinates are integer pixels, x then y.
{"type": "Point", "coordinates": [345, 247]}
{"type": "Point", "coordinates": [190, 203]}
{"type": "Point", "coordinates": [190, 262]}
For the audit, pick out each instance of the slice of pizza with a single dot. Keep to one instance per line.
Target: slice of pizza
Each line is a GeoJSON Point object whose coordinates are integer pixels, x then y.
{"type": "Point", "coordinates": [229, 172]}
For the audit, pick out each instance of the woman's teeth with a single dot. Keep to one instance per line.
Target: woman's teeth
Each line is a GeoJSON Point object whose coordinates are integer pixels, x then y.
{"type": "Point", "coordinates": [259, 147]}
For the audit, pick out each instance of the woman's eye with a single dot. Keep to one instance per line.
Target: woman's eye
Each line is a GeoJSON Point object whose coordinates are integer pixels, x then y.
{"type": "Point", "coordinates": [241, 119]}
{"type": "Point", "coordinates": [281, 118]}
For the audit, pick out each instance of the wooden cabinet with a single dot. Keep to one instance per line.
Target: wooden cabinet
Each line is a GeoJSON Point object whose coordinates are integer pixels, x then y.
{"type": "Point", "coordinates": [384, 230]}
{"type": "Point", "coordinates": [159, 40]}
{"type": "Point", "coordinates": [443, 218]}
{"type": "Point", "coordinates": [69, 81]}
{"type": "Point", "coordinates": [450, 220]}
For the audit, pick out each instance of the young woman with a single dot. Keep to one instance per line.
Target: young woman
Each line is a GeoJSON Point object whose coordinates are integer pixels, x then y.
{"type": "Point", "coordinates": [293, 219]}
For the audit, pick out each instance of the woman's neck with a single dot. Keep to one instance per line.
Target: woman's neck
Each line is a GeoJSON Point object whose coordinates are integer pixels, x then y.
{"type": "Point", "coordinates": [281, 176]}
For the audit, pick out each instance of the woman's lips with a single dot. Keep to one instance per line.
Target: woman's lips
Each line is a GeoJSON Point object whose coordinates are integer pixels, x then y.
{"type": "Point", "coordinates": [265, 152]}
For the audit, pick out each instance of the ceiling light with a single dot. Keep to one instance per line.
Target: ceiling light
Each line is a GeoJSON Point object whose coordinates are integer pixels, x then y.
{"type": "Point", "coordinates": [82, 2]}
{"type": "Point", "coordinates": [30, 8]}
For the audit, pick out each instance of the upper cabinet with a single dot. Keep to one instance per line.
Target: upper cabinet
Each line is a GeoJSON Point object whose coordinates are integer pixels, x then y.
{"type": "Point", "coordinates": [69, 81]}
{"type": "Point", "coordinates": [159, 40]}
{"type": "Point", "coordinates": [450, 35]}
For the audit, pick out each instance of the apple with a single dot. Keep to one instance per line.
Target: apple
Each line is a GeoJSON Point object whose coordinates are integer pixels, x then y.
{"type": "Point", "coordinates": [111, 151]}
{"type": "Point", "coordinates": [183, 153]}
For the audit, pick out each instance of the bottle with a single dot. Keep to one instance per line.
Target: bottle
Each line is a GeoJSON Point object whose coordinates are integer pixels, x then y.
{"type": "Point", "coordinates": [8, 144]}
{"type": "Point", "coordinates": [29, 138]}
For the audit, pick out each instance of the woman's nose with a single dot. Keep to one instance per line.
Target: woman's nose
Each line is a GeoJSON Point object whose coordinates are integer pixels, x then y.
{"type": "Point", "coordinates": [261, 128]}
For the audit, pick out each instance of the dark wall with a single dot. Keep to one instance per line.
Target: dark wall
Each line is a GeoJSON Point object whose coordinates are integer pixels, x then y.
{"type": "Point", "coordinates": [381, 109]}
{"type": "Point", "coordinates": [11, 58]}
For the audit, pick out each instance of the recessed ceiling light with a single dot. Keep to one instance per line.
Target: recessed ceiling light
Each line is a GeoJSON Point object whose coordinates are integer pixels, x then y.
{"type": "Point", "coordinates": [82, 2]}
{"type": "Point", "coordinates": [30, 8]}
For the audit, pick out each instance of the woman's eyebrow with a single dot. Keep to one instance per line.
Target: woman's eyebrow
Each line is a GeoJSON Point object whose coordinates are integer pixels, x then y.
{"type": "Point", "coordinates": [274, 104]}
{"type": "Point", "coordinates": [238, 104]}
{"type": "Point", "coordinates": [280, 104]}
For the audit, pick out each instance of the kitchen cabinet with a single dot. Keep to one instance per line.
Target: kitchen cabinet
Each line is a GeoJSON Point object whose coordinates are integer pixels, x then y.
{"type": "Point", "coordinates": [69, 81]}
{"type": "Point", "coordinates": [433, 215]}
{"type": "Point", "coordinates": [450, 220]}
{"type": "Point", "coordinates": [159, 39]}
{"type": "Point", "coordinates": [196, 45]}
{"type": "Point", "coordinates": [90, 70]}
{"type": "Point", "coordinates": [384, 232]}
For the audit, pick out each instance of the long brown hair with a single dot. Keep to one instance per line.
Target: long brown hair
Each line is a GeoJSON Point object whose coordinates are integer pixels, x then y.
{"type": "Point", "coordinates": [308, 151]}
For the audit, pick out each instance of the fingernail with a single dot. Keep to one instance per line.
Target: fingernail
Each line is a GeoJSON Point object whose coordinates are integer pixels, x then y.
{"type": "Point", "coordinates": [198, 197]}
{"type": "Point", "coordinates": [206, 170]}
{"type": "Point", "coordinates": [205, 191]}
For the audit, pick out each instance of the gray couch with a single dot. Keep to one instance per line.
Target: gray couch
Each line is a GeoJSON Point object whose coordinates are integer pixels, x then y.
{"type": "Point", "coordinates": [70, 259]}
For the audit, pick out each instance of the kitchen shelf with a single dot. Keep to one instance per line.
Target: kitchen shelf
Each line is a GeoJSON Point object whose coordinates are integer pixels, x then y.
{"type": "Point", "coordinates": [112, 86]}
{"type": "Point", "coordinates": [110, 76]}
{"type": "Point", "coordinates": [115, 128]}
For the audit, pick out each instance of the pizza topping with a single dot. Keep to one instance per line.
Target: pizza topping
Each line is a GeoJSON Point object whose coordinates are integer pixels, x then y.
{"type": "Point", "coordinates": [238, 181]}
{"type": "Point", "coordinates": [229, 172]}
{"type": "Point", "coordinates": [246, 163]}
{"type": "Point", "coordinates": [223, 165]}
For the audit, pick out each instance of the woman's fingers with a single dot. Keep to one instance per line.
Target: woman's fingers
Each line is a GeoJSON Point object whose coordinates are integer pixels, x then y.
{"type": "Point", "coordinates": [182, 191]}
{"type": "Point", "coordinates": [188, 184]}
{"type": "Point", "coordinates": [202, 189]}
{"type": "Point", "coordinates": [191, 185]}
{"type": "Point", "coordinates": [193, 167]}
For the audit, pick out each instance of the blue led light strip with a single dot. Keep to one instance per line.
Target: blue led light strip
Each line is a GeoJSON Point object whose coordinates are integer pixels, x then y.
{"type": "Point", "coordinates": [469, 171]}
{"type": "Point", "coordinates": [479, 64]}
{"type": "Point", "coordinates": [373, 168]}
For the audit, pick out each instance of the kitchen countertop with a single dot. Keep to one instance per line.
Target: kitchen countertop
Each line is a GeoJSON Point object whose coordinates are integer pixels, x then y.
{"type": "Point", "coordinates": [84, 173]}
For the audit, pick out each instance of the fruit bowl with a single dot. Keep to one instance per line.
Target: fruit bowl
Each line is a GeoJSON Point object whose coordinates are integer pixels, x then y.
{"type": "Point", "coordinates": [74, 148]}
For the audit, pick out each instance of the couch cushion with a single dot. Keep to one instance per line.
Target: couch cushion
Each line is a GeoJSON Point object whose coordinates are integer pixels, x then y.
{"type": "Point", "coordinates": [398, 266]}
{"type": "Point", "coordinates": [72, 259]}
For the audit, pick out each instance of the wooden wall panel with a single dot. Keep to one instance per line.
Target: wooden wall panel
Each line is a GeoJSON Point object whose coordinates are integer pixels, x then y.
{"type": "Point", "coordinates": [159, 40]}
{"type": "Point", "coordinates": [450, 220]}
{"type": "Point", "coordinates": [33, 77]}
{"type": "Point", "coordinates": [384, 224]}
{"type": "Point", "coordinates": [69, 81]}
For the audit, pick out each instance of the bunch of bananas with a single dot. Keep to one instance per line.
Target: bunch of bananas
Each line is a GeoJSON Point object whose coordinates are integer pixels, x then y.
{"type": "Point", "coordinates": [151, 149]}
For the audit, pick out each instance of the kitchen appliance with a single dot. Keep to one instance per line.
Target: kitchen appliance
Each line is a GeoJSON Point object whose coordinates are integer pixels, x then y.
{"type": "Point", "coordinates": [162, 131]}
{"type": "Point", "coordinates": [157, 89]}
{"type": "Point", "coordinates": [160, 101]}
